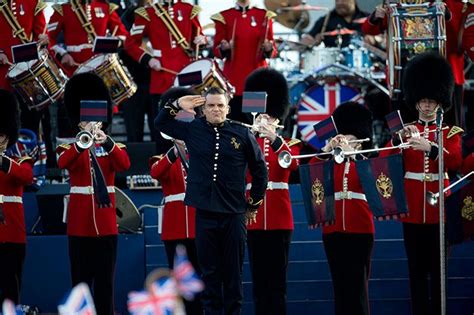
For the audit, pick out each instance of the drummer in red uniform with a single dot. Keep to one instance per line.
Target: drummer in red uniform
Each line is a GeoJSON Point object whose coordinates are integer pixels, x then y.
{"type": "Point", "coordinates": [178, 221]}
{"type": "Point", "coordinates": [14, 174]}
{"type": "Point", "coordinates": [349, 241]}
{"type": "Point", "coordinates": [170, 53]}
{"type": "Point", "coordinates": [244, 38]}
{"type": "Point", "coordinates": [269, 237]}
{"type": "Point", "coordinates": [427, 84]}
{"type": "Point", "coordinates": [81, 21]}
{"type": "Point", "coordinates": [30, 17]}
{"type": "Point", "coordinates": [91, 219]}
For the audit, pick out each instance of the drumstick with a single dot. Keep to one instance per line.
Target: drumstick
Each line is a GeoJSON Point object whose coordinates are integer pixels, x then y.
{"type": "Point", "coordinates": [233, 41]}
{"type": "Point", "coordinates": [197, 45]}
{"type": "Point", "coordinates": [169, 71]}
{"type": "Point", "coordinates": [115, 30]}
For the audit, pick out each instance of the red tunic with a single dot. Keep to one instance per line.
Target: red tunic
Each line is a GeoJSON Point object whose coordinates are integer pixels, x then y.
{"type": "Point", "coordinates": [12, 180]}
{"type": "Point", "coordinates": [178, 218]}
{"type": "Point", "coordinates": [164, 48]}
{"type": "Point", "coordinates": [32, 21]}
{"type": "Point", "coordinates": [85, 218]}
{"type": "Point", "coordinates": [418, 164]}
{"type": "Point", "coordinates": [249, 34]}
{"type": "Point", "coordinates": [275, 212]}
{"type": "Point", "coordinates": [103, 18]}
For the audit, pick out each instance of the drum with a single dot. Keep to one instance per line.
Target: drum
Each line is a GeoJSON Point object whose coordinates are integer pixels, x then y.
{"type": "Point", "coordinates": [38, 82]}
{"type": "Point", "coordinates": [413, 29]}
{"type": "Point", "coordinates": [211, 75]}
{"type": "Point", "coordinates": [357, 58]}
{"type": "Point", "coordinates": [318, 58]}
{"type": "Point", "coordinates": [297, 89]}
{"type": "Point", "coordinates": [318, 103]}
{"type": "Point", "coordinates": [115, 75]}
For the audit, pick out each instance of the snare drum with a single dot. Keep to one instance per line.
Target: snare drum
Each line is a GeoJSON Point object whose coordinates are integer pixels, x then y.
{"type": "Point", "coordinates": [115, 75]}
{"type": "Point", "coordinates": [318, 58]}
{"type": "Point", "coordinates": [211, 75]}
{"type": "Point", "coordinates": [38, 82]}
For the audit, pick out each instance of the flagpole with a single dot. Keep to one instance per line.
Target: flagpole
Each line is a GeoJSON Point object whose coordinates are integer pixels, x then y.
{"type": "Point", "coordinates": [442, 252]}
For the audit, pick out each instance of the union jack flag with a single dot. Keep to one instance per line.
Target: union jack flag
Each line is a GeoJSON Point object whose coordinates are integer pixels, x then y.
{"type": "Point", "coordinates": [79, 302]}
{"type": "Point", "coordinates": [318, 103]}
{"type": "Point", "coordinates": [187, 280]}
{"type": "Point", "coordinates": [8, 308]}
{"type": "Point", "coordinates": [160, 299]}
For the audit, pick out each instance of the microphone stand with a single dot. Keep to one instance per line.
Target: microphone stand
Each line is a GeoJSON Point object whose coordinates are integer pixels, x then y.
{"type": "Point", "coordinates": [441, 205]}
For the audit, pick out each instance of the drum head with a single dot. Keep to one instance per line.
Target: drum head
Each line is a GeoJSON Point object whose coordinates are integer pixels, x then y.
{"type": "Point", "coordinates": [203, 65]}
{"type": "Point", "coordinates": [21, 67]}
{"type": "Point", "coordinates": [318, 103]}
{"type": "Point", "coordinates": [91, 64]}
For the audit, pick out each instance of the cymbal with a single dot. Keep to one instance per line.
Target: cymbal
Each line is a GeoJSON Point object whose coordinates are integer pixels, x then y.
{"type": "Point", "coordinates": [342, 31]}
{"type": "Point", "coordinates": [291, 19]}
{"type": "Point", "coordinates": [303, 7]}
{"type": "Point", "coordinates": [292, 45]}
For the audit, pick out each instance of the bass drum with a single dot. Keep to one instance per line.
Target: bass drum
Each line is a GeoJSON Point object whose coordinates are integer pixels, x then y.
{"type": "Point", "coordinates": [318, 103]}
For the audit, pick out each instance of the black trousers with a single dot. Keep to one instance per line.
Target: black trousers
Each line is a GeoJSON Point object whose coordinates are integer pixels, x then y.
{"type": "Point", "coordinates": [93, 262]}
{"type": "Point", "coordinates": [193, 307]}
{"type": "Point", "coordinates": [12, 257]}
{"type": "Point", "coordinates": [422, 248]}
{"type": "Point", "coordinates": [349, 261]}
{"type": "Point", "coordinates": [134, 110]}
{"type": "Point", "coordinates": [268, 255]}
{"type": "Point", "coordinates": [220, 244]}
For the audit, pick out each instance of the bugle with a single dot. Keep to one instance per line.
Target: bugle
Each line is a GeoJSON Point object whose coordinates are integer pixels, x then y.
{"type": "Point", "coordinates": [432, 198]}
{"type": "Point", "coordinates": [85, 139]}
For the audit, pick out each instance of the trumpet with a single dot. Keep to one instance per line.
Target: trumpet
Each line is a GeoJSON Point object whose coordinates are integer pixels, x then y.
{"type": "Point", "coordinates": [285, 157]}
{"type": "Point", "coordinates": [85, 139]}
{"type": "Point", "coordinates": [432, 198]}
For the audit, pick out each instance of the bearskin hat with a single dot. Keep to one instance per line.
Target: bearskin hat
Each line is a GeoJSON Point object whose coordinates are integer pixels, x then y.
{"type": "Point", "coordinates": [274, 83]}
{"type": "Point", "coordinates": [10, 118]}
{"type": "Point", "coordinates": [354, 119]}
{"type": "Point", "coordinates": [86, 86]}
{"type": "Point", "coordinates": [428, 76]}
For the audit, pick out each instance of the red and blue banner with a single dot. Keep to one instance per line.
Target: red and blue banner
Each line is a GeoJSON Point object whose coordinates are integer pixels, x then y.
{"type": "Point", "coordinates": [325, 129]}
{"type": "Point", "coordinates": [318, 103]}
{"type": "Point", "coordinates": [94, 110]}
{"type": "Point", "coordinates": [254, 102]}
{"type": "Point", "coordinates": [317, 187]}
{"type": "Point", "coordinates": [383, 184]}
{"type": "Point", "coordinates": [394, 121]}
{"type": "Point", "coordinates": [460, 213]}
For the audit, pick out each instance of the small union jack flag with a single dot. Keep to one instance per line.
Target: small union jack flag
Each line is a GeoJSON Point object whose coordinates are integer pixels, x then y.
{"type": "Point", "coordinates": [160, 299]}
{"type": "Point", "coordinates": [318, 103]}
{"type": "Point", "coordinates": [8, 308]}
{"type": "Point", "coordinates": [78, 302]}
{"type": "Point", "coordinates": [187, 280]}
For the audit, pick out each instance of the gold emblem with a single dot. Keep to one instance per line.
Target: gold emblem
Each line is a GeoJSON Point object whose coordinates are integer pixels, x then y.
{"type": "Point", "coordinates": [235, 143]}
{"type": "Point", "coordinates": [317, 192]}
{"type": "Point", "coordinates": [467, 211]}
{"type": "Point", "coordinates": [384, 186]}
{"type": "Point", "coordinates": [419, 48]}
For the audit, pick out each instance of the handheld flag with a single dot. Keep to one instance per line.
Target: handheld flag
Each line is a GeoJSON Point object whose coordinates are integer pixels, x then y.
{"type": "Point", "coordinates": [94, 110]}
{"type": "Point", "coordinates": [106, 45]}
{"type": "Point", "coordinates": [383, 185]}
{"type": "Point", "coordinates": [325, 129]}
{"type": "Point", "coordinates": [161, 298]}
{"type": "Point", "coordinates": [317, 186]}
{"type": "Point", "coordinates": [190, 78]}
{"type": "Point", "coordinates": [188, 282]}
{"type": "Point", "coordinates": [394, 121]}
{"type": "Point", "coordinates": [254, 102]}
{"type": "Point", "coordinates": [25, 52]}
{"type": "Point", "coordinates": [78, 302]}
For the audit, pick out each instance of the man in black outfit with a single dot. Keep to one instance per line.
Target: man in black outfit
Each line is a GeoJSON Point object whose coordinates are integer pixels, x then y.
{"type": "Point", "coordinates": [220, 152]}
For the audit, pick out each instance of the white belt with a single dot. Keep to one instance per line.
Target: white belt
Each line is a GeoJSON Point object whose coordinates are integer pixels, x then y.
{"type": "Point", "coordinates": [11, 199]}
{"type": "Point", "coordinates": [88, 190]}
{"type": "Point", "coordinates": [272, 186]}
{"type": "Point", "coordinates": [175, 197]}
{"type": "Point", "coordinates": [340, 195]}
{"type": "Point", "coordinates": [424, 177]}
{"type": "Point", "coordinates": [78, 48]}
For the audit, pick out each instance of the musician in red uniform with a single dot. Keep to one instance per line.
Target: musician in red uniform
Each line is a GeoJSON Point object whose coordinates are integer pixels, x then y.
{"type": "Point", "coordinates": [178, 221]}
{"type": "Point", "coordinates": [169, 53]}
{"type": "Point", "coordinates": [244, 38]}
{"type": "Point", "coordinates": [269, 237]}
{"type": "Point", "coordinates": [30, 17]}
{"type": "Point", "coordinates": [81, 21]}
{"type": "Point", "coordinates": [91, 220]}
{"type": "Point", "coordinates": [14, 174]}
{"type": "Point", "coordinates": [349, 241]}
{"type": "Point", "coordinates": [428, 83]}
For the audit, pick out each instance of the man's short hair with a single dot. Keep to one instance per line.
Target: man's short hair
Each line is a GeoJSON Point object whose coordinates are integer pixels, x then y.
{"type": "Point", "coordinates": [216, 91]}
